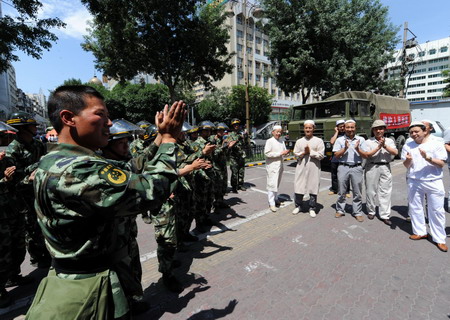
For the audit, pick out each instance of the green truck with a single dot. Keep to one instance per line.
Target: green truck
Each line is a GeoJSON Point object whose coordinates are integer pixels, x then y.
{"type": "Point", "coordinates": [363, 107]}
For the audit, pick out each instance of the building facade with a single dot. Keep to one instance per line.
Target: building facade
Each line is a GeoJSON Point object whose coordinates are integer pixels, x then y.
{"type": "Point", "coordinates": [251, 46]}
{"type": "Point", "coordinates": [425, 63]}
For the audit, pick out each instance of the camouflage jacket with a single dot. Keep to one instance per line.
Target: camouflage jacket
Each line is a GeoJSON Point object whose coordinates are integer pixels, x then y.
{"type": "Point", "coordinates": [78, 195]}
{"type": "Point", "coordinates": [137, 147]}
{"type": "Point", "coordinates": [25, 157]}
{"type": "Point", "coordinates": [238, 150]}
{"type": "Point", "coordinates": [7, 194]}
{"type": "Point", "coordinates": [220, 153]}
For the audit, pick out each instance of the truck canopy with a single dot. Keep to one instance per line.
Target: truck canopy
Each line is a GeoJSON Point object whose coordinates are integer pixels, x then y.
{"type": "Point", "coordinates": [384, 104]}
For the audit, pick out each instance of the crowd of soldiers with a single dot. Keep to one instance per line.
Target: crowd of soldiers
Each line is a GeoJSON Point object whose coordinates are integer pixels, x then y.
{"type": "Point", "coordinates": [77, 245]}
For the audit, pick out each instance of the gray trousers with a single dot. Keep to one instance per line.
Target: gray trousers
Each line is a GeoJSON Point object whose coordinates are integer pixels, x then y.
{"type": "Point", "coordinates": [345, 175]}
{"type": "Point", "coordinates": [378, 187]}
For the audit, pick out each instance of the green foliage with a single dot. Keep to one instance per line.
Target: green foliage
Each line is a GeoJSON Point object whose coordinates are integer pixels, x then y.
{"type": "Point", "coordinates": [333, 45]}
{"type": "Point", "coordinates": [446, 74]}
{"type": "Point", "coordinates": [224, 105]}
{"type": "Point", "coordinates": [176, 41]}
{"type": "Point", "coordinates": [133, 102]}
{"type": "Point", "coordinates": [72, 82]}
{"type": "Point", "coordinates": [25, 32]}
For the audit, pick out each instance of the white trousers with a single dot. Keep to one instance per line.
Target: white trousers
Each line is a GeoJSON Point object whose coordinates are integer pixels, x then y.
{"type": "Point", "coordinates": [435, 192]}
{"type": "Point", "coordinates": [273, 196]}
{"type": "Point", "coordinates": [378, 189]}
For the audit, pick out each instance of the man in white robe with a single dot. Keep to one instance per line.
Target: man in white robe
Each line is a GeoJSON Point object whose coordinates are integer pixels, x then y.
{"type": "Point", "coordinates": [310, 151]}
{"type": "Point", "coordinates": [274, 151]}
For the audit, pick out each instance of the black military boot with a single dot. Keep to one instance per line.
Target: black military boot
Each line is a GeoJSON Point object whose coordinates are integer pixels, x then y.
{"type": "Point", "coordinates": [5, 299]}
{"type": "Point", "coordinates": [18, 280]}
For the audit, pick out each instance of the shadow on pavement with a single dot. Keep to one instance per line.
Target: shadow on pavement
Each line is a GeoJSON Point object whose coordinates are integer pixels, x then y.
{"type": "Point", "coordinates": [215, 313]}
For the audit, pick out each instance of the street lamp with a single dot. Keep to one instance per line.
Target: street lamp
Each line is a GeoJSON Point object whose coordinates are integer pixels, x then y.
{"type": "Point", "coordinates": [255, 11]}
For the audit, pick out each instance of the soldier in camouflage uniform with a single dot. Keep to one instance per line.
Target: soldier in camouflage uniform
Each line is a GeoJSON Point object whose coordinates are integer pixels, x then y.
{"type": "Point", "coordinates": [237, 142]}
{"type": "Point", "coordinates": [138, 146]}
{"type": "Point", "coordinates": [220, 165]}
{"type": "Point", "coordinates": [171, 222]}
{"type": "Point", "coordinates": [204, 180]}
{"type": "Point", "coordinates": [131, 276]}
{"type": "Point", "coordinates": [25, 152]}
{"type": "Point", "coordinates": [12, 226]}
{"type": "Point", "coordinates": [79, 195]}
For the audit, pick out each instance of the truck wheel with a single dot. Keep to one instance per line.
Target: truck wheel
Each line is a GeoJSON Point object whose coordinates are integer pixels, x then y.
{"type": "Point", "coordinates": [399, 142]}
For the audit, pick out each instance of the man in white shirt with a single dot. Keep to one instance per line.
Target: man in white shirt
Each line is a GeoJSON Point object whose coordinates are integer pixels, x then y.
{"type": "Point", "coordinates": [379, 151]}
{"type": "Point", "coordinates": [347, 149]}
{"type": "Point", "coordinates": [424, 158]}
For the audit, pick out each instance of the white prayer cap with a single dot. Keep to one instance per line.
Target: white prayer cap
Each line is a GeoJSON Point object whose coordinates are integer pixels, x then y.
{"type": "Point", "coordinates": [340, 122]}
{"type": "Point", "coordinates": [350, 121]}
{"type": "Point", "coordinates": [277, 127]}
{"type": "Point", "coordinates": [309, 122]}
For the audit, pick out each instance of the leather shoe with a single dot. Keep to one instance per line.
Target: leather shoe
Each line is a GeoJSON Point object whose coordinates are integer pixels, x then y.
{"type": "Point", "coordinates": [442, 246]}
{"type": "Point", "coordinates": [370, 216]}
{"type": "Point", "coordinates": [359, 218]}
{"type": "Point", "coordinates": [387, 221]}
{"type": "Point", "coordinates": [243, 188]}
{"type": "Point", "coordinates": [417, 237]}
{"type": "Point", "coordinates": [339, 214]}
{"type": "Point", "coordinates": [273, 208]}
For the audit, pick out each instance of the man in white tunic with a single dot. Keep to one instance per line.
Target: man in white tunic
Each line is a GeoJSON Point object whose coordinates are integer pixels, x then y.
{"type": "Point", "coordinates": [447, 148]}
{"type": "Point", "coordinates": [274, 151]}
{"type": "Point", "coordinates": [379, 151]}
{"type": "Point", "coordinates": [309, 150]}
{"type": "Point", "coordinates": [425, 159]}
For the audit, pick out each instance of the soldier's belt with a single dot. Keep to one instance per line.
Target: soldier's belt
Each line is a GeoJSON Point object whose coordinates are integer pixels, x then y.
{"type": "Point", "coordinates": [89, 265]}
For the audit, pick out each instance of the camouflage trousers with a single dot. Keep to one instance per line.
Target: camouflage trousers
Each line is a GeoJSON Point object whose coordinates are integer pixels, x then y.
{"type": "Point", "coordinates": [165, 235]}
{"type": "Point", "coordinates": [34, 238]}
{"type": "Point", "coordinates": [203, 198]}
{"type": "Point", "coordinates": [221, 183]}
{"type": "Point", "coordinates": [237, 166]}
{"type": "Point", "coordinates": [130, 269]}
{"type": "Point", "coordinates": [183, 214]}
{"type": "Point", "coordinates": [12, 247]}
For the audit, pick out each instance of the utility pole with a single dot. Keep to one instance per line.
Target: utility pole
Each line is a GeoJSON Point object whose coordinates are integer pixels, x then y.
{"type": "Point", "coordinates": [403, 68]}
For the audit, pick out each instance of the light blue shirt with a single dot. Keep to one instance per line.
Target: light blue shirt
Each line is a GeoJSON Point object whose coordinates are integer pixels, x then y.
{"type": "Point", "coordinates": [351, 156]}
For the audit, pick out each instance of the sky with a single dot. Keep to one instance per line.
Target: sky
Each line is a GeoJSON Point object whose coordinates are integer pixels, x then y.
{"type": "Point", "coordinates": [428, 20]}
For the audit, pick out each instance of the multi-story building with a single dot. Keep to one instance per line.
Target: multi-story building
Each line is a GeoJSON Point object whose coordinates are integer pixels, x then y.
{"type": "Point", "coordinates": [8, 92]}
{"type": "Point", "coordinates": [244, 26]}
{"type": "Point", "coordinates": [425, 63]}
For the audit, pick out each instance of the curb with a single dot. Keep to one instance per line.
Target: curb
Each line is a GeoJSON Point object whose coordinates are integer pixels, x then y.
{"type": "Point", "coordinates": [262, 163]}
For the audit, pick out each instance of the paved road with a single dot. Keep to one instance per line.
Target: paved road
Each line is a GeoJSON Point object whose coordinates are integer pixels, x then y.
{"type": "Point", "coordinates": [256, 264]}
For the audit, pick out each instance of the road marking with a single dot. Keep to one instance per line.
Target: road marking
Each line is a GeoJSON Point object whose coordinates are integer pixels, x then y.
{"type": "Point", "coordinates": [297, 240]}
{"type": "Point", "coordinates": [256, 264]}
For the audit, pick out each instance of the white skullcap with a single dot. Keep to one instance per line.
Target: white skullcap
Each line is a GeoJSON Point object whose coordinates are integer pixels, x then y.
{"type": "Point", "coordinates": [277, 127]}
{"type": "Point", "coordinates": [350, 121]}
{"type": "Point", "coordinates": [309, 122]}
{"type": "Point", "coordinates": [340, 122]}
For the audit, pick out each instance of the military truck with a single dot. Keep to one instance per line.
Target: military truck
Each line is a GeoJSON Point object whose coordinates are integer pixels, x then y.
{"type": "Point", "coordinates": [363, 107]}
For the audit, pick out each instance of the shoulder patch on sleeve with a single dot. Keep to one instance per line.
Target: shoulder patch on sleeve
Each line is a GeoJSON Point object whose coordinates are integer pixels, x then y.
{"type": "Point", "coordinates": [113, 175]}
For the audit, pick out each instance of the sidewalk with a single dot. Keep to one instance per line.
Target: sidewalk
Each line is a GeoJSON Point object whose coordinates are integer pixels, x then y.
{"type": "Point", "coordinates": [262, 265]}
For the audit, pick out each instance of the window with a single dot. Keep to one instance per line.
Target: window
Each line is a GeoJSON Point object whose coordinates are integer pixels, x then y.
{"type": "Point", "coordinates": [250, 76]}
{"type": "Point", "coordinates": [240, 74]}
{"type": "Point", "coordinates": [258, 78]}
{"type": "Point", "coordinates": [257, 51]}
{"type": "Point", "coordinates": [257, 65]}
{"type": "Point", "coordinates": [266, 43]}
{"type": "Point", "coordinates": [421, 54]}
{"type": "Point", "coordinates": [258, 40]}
{"type": "Point", "coordinates": [266, 79]}
{"type": "Point", "coordinates": [249, 63]}
{"type": "Point", "coordinates": [249, 37]}
{"type": "Point", "coordinates": [240, 61]}
{"type": "Point", "coordinates": [432, 51]}
{"type": "Point", "coordinates": [435, 83]}
{"type": "Point", "coordinates": [417, 85]}
{"type": "Point", "coordinates": [273, 92]}
{"type": "Point", "coordinates": [435, 90]}
{"type": "Point", "coordinates": [443, 49]}
{"type": "Point", "coordinates": [418, 78]}
{"type": "Point", "coordinates": [239, 47]}
{"type": "Point", "coordinates": [416, 92]}
{"type": "Point", "coordinates": [249, 49]}
{"type": "Point", "coordinates": [239, 19]}
{"type": "Point", "coordinates": [239, 33]}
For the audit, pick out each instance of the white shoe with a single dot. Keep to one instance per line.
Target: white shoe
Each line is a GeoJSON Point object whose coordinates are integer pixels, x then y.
{"type": "Point", "coordinates": [273, 208]}
{"type": "Point", "coordinates": [296, 210]}
{"type": "Point", "coordinates": [312, 213]}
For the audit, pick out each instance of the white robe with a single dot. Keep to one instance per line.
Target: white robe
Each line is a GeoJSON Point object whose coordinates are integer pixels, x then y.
{"type": "Point", "coordinates": [307, 172]}
{"type": "Point", "coordinates": [274, 163]}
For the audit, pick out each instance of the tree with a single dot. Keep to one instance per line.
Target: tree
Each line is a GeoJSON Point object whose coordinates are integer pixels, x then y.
{"type": "Point", "coordinates": [25, 32]}
{"type": "Point", "coordinates": [216, 106]}
{"type": "Point", "coordinates": [176, 41]}
{"type": "Point", "coordinates": [260, 104]}
{"type": "Point", "coordinates": [328, 45]}
{"type": "Point", "coordinates": [446, 75]}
